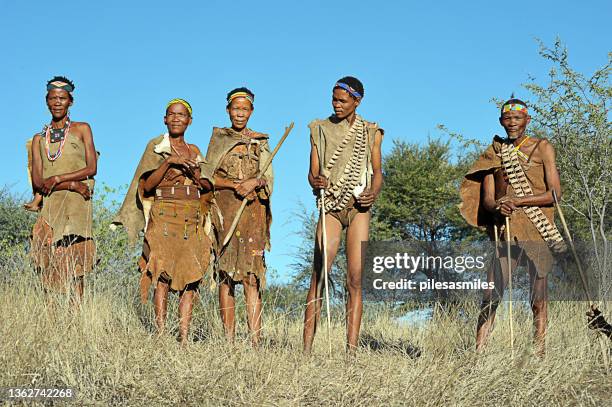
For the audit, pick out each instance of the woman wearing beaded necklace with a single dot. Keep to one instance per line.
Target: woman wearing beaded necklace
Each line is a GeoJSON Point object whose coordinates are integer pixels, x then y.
{"type": "Point", "coordinates": [64, 162]}
{"type": "Point", "coordinates": [169, 198]}
{"type": "Point", "coordinates": [234, 157]}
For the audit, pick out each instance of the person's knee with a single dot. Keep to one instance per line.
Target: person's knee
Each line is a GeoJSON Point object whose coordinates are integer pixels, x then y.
{"type": "Point", "coordinates": [353, 283]}
{"type": "Point", "coordinates": [251, 281]}
{"type": "Point", "coordinates": [224, 287]}
{"type": "Point", "coordinates": [190, 289]}
{"type": "Point", "coordinates": [538, 306]}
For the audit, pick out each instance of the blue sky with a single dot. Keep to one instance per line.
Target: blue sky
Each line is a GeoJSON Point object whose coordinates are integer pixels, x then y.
{"type": "Point", "coordinates": [422, 64]}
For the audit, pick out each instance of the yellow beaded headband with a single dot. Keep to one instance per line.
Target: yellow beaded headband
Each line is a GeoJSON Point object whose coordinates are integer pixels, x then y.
{"type": "Point", "coordinates": [240, 95]}
{"type": "Point", "coordinates": [182, 102]}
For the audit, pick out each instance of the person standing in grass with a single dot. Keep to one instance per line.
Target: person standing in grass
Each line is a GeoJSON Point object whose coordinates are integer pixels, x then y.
{"type": "Point", "coordinates": [235, 155]}
{"type": "Point", "coordinates": [63, 164]}
{"type": "Point", "coordinates": [345, 162]}
{"type": "Point", "coordinates": [515, 178]}
{"type": "Point", "coordinates": [169, 197]}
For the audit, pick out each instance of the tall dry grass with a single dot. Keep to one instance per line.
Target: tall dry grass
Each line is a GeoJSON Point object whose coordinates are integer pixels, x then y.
{"type": "Point", "coordinates": [107, 351]}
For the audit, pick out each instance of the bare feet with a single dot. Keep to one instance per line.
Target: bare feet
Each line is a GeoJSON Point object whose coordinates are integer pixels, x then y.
{"type": "Point", "coordinates": [183, 340]}
{"type": "Point", "coordinates": [35, 204]}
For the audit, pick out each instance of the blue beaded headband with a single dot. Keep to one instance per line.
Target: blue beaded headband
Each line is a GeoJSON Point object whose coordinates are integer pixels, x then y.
{"type": "Point", "coordinates": [348, 89]}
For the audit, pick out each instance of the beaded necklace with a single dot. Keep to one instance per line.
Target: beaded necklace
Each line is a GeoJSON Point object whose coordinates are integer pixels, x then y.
{"type": "Point", "coordinates": [62, 139]}
{"type": "Point", "coordinates": [179, 154]}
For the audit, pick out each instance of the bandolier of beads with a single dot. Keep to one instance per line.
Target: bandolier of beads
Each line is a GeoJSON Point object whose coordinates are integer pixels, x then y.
{"type": "Point", "coordinates": [518, 181]}
{"type": "Point", "coordinates": [339, 194]}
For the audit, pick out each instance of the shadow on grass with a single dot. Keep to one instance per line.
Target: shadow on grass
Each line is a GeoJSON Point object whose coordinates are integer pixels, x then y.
{"type": "Point", "coordinates": [203, 333]}
{"type": "Point", "coordinates": [377, 344]}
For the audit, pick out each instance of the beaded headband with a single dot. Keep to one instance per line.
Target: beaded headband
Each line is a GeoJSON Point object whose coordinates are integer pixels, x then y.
{"type": "Point", "coordinates": [240, 95]}
{"type": "Point", "coordinates": [60, 85]}
{"type": "Point", "coordinates": [182, 102]}
{"type": "Point", "coordinates": [514, 107]}
{"type": "Point", "coordinates": [348, 89]}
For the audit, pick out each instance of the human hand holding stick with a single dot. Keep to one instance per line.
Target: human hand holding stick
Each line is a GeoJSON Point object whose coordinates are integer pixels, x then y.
{"type": "Point", "coordinates": [245, 200]}
{"type": "Point", "coordinates": [506, 206]}
{"type": "Point", "coordinates": [319, 182]}
{"type": "Point", "coordinates": [247, 187]}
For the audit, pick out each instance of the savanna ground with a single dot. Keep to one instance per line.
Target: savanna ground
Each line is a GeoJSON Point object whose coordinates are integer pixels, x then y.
{"type": "Point", "coordinates": [109, 354]}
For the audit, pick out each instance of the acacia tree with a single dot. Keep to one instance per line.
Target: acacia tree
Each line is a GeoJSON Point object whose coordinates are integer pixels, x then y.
{"type": "Point", "coordinates": [15, 228]}
{"type": "Point", "coordinates": [15, 222]}
{"type": "Point", "coordinates": [572, 111]}
{"type": "Point", "coordinates": [420, 202]}
{"type": "Point", "coordinates": [420, 197]}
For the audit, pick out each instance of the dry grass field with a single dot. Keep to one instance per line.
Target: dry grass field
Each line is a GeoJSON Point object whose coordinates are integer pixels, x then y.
{"type": "Point", "coordinates": [107, 351]}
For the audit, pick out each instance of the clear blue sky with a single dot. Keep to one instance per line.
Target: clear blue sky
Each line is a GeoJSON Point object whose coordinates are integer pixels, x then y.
{"type": "Point", "coordinates": [422, 63]}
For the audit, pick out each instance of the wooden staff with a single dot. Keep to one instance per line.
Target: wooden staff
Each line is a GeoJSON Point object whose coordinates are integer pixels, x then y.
{"type": "Point", "coordinates": [496, 231]}
{"type": "Point", "coordinates": [509, 240]}
{"type": "Point", "coordinates": [263, 169]}
{"type": "Point", "coordinates": [496, 240]}
{"type": "Point", "coordinates": [585, 285]}
{"type": "Point", "coordinates": [325, 274]}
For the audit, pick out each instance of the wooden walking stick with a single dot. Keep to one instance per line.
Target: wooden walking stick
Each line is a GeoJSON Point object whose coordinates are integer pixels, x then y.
{"type": "Point", "coordinates": [324, 248]}
{"type": "Point", "coordinates": [509, 240]}
{"type": "Point", "coordinates": [496, 232]}
{"type": "Point", "coordinates": [585, 285]}
{"type": "Point", "coordinates": [497, 248]}
{"type": "Point", "coordinates": [325, 274]}
{"type": "Point", "coordinates": [262, 170]}
{"type": "Point", "coordinates": [597, 322]}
